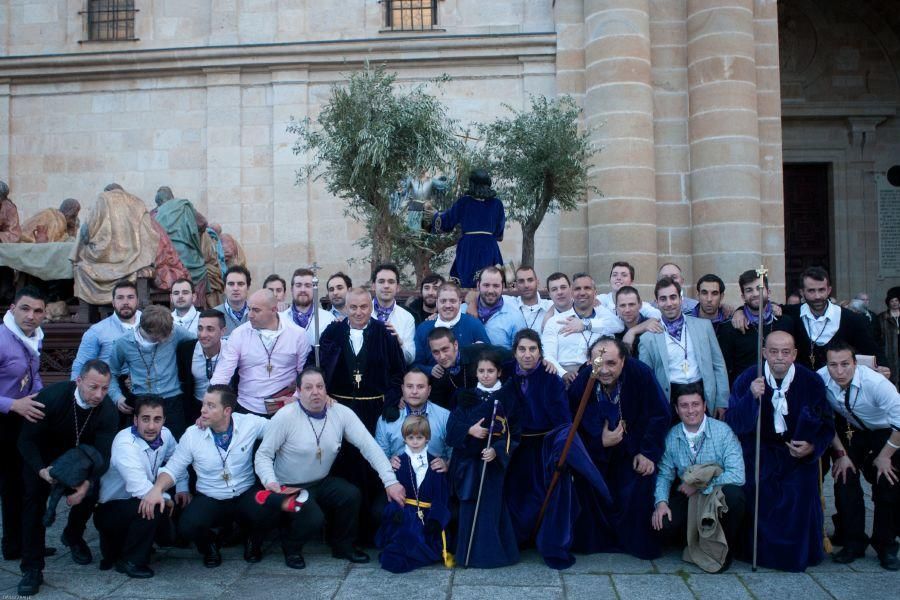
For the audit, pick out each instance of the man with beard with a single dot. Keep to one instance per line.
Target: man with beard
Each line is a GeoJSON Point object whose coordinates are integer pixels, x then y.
{"type": "Point", "coordinates": [78, 412]}
{"type": "Point", "coordinates": [337, 287]}
{"type": "Point", "coordinates": [300, 312]}
{"type": "Point", "coordinates": [501, 320]}
{"type": "Point", "coordinates": [711, 291]}
{"type": "Point", "coordinates": [401, 324]}
{"type": "Point", "coordinates": [98, 340]}
{"type": "Point", "coordinates": [237, 288]}
{"type": "Point", "coordinates": [197, 360]}
{"type": "Point", "coordinates": [797, 427]}
{"type": "Point", "coordinates": [623, 428]}
{"type": "Point", "coordinates": [466, 329]}
{"type": "Point", "coordinates": [739, 347]}
{"type": "Point", "coordinates": [20, 381]}
{"type": "Point", "coordinates": [185, 314]}
{"type": "Point", "coordinates": [425, 305]}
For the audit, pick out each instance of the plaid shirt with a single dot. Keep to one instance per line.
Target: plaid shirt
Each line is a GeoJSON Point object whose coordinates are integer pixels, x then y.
{"type": "Point", "coordinates": [719, 445]}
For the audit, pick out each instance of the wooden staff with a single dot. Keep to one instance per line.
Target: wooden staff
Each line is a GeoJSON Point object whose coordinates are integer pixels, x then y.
{"type": "Point", "coordinates": [760, 287]}
{"type": "Point", "coordinates": [481, 482]}
{"type": "Point", "coordinates": [576, 422]}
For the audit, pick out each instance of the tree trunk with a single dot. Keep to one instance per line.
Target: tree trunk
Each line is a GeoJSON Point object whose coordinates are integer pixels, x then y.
{"type": "Point", "coordinates": [528, 232]}
{"type": "Point", "coordinates": [381, 234]}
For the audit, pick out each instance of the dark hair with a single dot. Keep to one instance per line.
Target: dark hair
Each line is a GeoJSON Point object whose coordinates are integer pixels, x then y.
{"type": "Point", "coordinates": [211, 313]}
{"type": "Point", "coordinates": [526, 268]}
{"type": "Point", "coordinates": [95, 364]}
{"type": "Point", "coordinates": [528, 334]}
{"type": "Point", "coordinates": [687, 389]}
{"type": "Point", "coordinates": [441, 332]}
{"type": "Point", "coordinates": [627, 289]}
{"type": "Point", "coordinates": [416, 371]}
{"type": "Point", "coordinates": [301, 272]}
{"type": "Point", "coordinates": [749, 277]}
{"type": "Point", "coordinates": [558, 275]}
{"type": "Point", "coordinates": [622, 263]}
{"type": "Point", "coordinates": [711, 278]}
{"type": "Point", "coordinates": [386, 267]}
{"type": "Point", "coordinates": [123, 283]}
{"type": "Point", "coordinates": [31, 292]}
{"type": "Point", "coordinates": [275, 277]}
{"type": "Point", "coordinates": [619, 344]}
{"type": "Point", "coordinates": [492, 269]}
{"type": "Point", "coordinates": [226, 395]}
{"type": "Point", "coordinates": [238, 269]}
{"type": "Point", "coordinates": [347, 281]}
{"type": "Point", "coordinates": [492, 356]}
{"type": "Point", "coordinates": [310, 370]}
{"type": "Point", "coordinates": [431, 278]}
{"type": "Point", "coordinates": [892, 293]}
{"type": "Point", "coordinates": [183, 280]}
{"type": "Point", "coordinates": [582, 276]}
{"type": "Point", "coordinates": [814, 273]}
{"type": "Point", "coordinates": [838, 345]}
{"type": "Point", "coordinates": [664, 283]}
{"type": "Point", "coordinates": [148, 401]}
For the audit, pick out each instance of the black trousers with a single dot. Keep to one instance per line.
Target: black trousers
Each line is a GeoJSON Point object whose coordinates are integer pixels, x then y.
{"type": "Point", "coordinates": [11, 484]}
{"type": "Point", "coordinates": [333, 503]}
{"type": "Point", "coordinates": [848, 496]}
{"type": "Point", "coordinates": [676, 529]}
{"type": "Point", "coordinates": [124, 534]}
{"type": "Point", "coordinates": [175, 421]}
{"type": "Point", "coordinates": [35, 505]}
{"type": "Point", "coordinates": [204, 513]}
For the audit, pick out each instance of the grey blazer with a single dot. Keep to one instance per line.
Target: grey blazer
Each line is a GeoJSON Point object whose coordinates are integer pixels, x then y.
{"type": "Point", "coordinates": [655, 354]}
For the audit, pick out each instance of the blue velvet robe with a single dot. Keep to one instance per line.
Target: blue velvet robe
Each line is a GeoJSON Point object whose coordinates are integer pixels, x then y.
{"type": "Point", "coordinates": [482, 223]}
{"type": "Point", "coordinates": [405, 542]}
{"type": "Point", "coordinates": [790, 523]}
{"type": "Point", "coordinates": [494, 543]}
{"type": "Point", "coordinates": [623, 526]}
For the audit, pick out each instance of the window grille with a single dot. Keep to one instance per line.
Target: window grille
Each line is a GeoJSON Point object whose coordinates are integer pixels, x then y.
{"type": "Point", "coordinates": [410, 15]}
{"type": "Point", "coordinates": [110, 20]}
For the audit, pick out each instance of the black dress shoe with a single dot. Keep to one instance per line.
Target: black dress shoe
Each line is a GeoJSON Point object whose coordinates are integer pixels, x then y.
{"type": "Point", "coordinates": [889, 562]}
{"type": "Point", "coordinates": [106, 564]}
{"type": "Point", "coordinates": [48, 551]}
{"type": "Point", "coordinates": [354, 555]}
{"type": "Point", "coordinates": [847, 555]}
{"type": "Point", "coordinates": [252, 550]}
{"type": "Point", "coordinates": [134, 571]}
{"type": "Point", "coordinates": [30, 584]}
{"type": "Point", "coordinates": [212, 557]}
{"type": "Point", "coordinates": [81, 554]}
{"type": "Point", "coordinates": [295, 561]}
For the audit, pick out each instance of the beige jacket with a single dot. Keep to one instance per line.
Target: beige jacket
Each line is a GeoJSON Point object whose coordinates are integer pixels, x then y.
{"type": "Point", "coordinates": [706, 544]}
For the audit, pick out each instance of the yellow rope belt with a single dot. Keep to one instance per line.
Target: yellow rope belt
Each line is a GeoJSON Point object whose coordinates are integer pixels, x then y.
{"type": "Point", "coordinates": [448, 558]}
{"type": "Point", "coordinates": [357, 397]}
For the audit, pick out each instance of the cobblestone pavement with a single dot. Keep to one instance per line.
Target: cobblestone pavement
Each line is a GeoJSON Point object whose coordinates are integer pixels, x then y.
{"type": "Point", "coordinates": [180, 574]}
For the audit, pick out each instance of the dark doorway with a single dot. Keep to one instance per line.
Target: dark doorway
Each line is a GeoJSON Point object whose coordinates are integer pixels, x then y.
{"type": "Point", "coordinates": [807, 219]}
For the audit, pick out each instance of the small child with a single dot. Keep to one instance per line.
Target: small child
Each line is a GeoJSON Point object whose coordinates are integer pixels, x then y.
{"type": "Point", "coordinates": [494, 543]}
{"type": "Point", "coordinates": [413, 536]}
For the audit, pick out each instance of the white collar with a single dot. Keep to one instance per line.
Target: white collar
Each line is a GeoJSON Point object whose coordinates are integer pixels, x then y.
{"type": "Point", "coordinates": [33, 342]}
{"type": "Point", "coordinates": [779, 396]}
{"type": "Point", "coordinates": [448, 324]}
{"type": "Point", "coordinates": [128, 326]}
{"type": "Point", "coordinates": [496, 387]}
{"type": "Point", "coordinates": [142, 341]}
{"type": "Point", "coordinates": [700, 429]}
{"type": "Point", "coordinates": [352, 329]}
{"type": "Point", "coordinates": [419, 462]}
{"type": "Point", "coordinates": [81, 403]}
{"type": "Point", "coordinates": [188, 317]}
{"type": "Point", "coordinates": [832, 313]}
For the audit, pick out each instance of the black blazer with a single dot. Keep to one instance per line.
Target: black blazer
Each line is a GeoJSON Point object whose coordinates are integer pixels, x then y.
{"type": "Point", "coordinates": [853, 329]}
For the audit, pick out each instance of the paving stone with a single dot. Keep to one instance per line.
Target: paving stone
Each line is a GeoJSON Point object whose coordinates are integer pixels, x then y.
{"type": "Point", "coordinates": [525, 573]}
{"type": "Point", "coordinates": [278, 587]}
{"type": "Point", "coordinates": [94, 585]}
{"type": "Point", "coordinates": [373, 584]}
{"type": "Point", "coordinates": [715, 586]}
{"type": "Point", "coordinates": [596, 587]}
{"type": "Point", "coordinates": [610, 563]}
{"type": "Point", "coordinates": [671, 562]}
{"type": "Point", "coordinates": [790, 586]}
{"type": "Point", "coordinates": [511, 592]}
{"type": "Point", "coordinates": [650, 587]}
{"type": "Point", "coordinates": [179, 578]}
{"type": "Point", "coordinates": [872, 586]}
{"type": "Point", "coordinates": [317, 565]}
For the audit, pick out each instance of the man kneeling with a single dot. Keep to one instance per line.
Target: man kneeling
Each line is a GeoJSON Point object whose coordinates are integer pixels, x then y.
{"type": "Point", "coordinates": [706, 456]}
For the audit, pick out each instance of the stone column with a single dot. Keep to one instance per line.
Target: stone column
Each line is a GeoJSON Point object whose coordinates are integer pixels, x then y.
{"type": "Point", "coordinates": [4, 130]}
{"type": "Point", "coordinates": [618, 109]}
{"type": "Point", "coordinates": [724, 138]}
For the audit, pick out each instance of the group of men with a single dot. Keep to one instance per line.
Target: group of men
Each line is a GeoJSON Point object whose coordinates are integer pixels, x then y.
{"type": "Point", "coordinates": [242, 406]}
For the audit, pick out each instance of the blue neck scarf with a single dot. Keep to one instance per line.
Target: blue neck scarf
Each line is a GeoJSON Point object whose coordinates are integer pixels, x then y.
{"type": "Point", "coordinates": [523, 374]}
{"type": "Point", "coordinates": [675, 327]}
{"type": "Point", "coordinates": [224, 439]}
{"type": "Point", "coordinates": [236, 315]}
{"type": "Point", "coordinates": [301, 318]}
{"type": "Point", "coordinates": [752, 319]}
{"type": "Point", "coordinates": [381, 313]}
{"type": "Point", "coordinates": [154, 445]}
{"type": "Point", "coordinates": [311, 414]}
{"type": "Point", "coordinates": [486, 312]}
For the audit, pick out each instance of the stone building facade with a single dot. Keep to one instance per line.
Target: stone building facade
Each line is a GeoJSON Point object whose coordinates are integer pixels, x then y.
{"type": "Point", "coordinates": [695, 109]}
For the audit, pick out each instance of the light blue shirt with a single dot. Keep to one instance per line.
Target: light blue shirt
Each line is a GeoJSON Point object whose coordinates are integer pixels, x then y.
{"type": "Point", "coordinates": [390, 437]}
{"type": "Point", "coordinates": [163, 374]}
{"type": "Point", "coordinates": [98, 341]}
{"type": "Point", "coordinates": [504, 325]}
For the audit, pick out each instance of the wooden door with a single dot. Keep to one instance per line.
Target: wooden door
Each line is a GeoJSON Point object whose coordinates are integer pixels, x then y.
{"type": "Point", "coordinates": [807, 219]}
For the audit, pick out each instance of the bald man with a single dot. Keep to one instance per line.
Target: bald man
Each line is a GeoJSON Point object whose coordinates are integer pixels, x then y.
{"type": "Point", "coordinates": [268, 353]}
{"type": "Point", "coordinates": [364, 367]}
{"type": "Point", "coordinates": [797, 427]}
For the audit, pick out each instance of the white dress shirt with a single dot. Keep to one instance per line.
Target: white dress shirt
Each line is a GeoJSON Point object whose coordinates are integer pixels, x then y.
{"type": "Point", "coordinates": [198, 448]}
{"type": "Point", "coordinates": [532, 313]}
{"type": "Point", "coordinates": [189, 322]}
{"type": "Point", "coordinates": [133, 466]}
{"type": "Point", "coordinates": [567, 350]}
{"type": "Point", "coordinates": [405, 326]}
{"type": "Point", "coordinates": [821, 329]}
{"type": "Point", "coordinates": [873, 398]}
{"type": "Point", "coordinates": [419, 462]}
{"type": "Point", "coordinates": [608, 301]}
{"type": "Point", "coordinates": [325, 319]}
{"type": "Point", "coordinates": [198, 369]}
{"type": "Point", "coordinates": [675, 350]}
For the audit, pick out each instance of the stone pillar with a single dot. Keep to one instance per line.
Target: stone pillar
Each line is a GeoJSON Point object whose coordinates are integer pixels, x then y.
{"type": "Point", "coordinates": [5, 130]}
{"type": "Point", "coordinates": [724, 138]}
{"type": "Point", "coordinates": [618, 109]}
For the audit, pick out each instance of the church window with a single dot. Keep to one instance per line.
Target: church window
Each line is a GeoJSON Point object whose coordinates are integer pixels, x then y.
{"type": "Point", "coordinates": [410, 15]}
{"type": "Point", "coordinates": [110, 20]}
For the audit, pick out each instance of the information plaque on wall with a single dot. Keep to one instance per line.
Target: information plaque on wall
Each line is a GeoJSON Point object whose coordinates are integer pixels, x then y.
{"type": "Point", "coordinates": [888, 227]}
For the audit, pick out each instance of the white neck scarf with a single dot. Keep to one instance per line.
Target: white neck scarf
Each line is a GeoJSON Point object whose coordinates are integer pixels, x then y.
{"type": "Point", "coordinates": [496, 387]}
{"type": "Point", "coordinates": [779, 396]}
{"type": "Point", "coordinates": [419, 462]}
{"type": "Point", "coordinates": [142, 341]}
{"type": "Point", "coordinates": [268, 337]}
{"type": "Point", "coordinates": [692, 437]}
{"type": "Point", "coordinates": [33, 343]}
{"type": "Point", "coordinates": [187, 321]}
{"type": "Point", "coordinates": [128, 326]}
{"type": "Point", "coordinates": [448, 324]}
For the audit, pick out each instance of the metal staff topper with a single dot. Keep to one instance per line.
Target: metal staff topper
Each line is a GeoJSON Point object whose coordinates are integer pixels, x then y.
{"type": "Point", "coordinates": [315, 286]}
